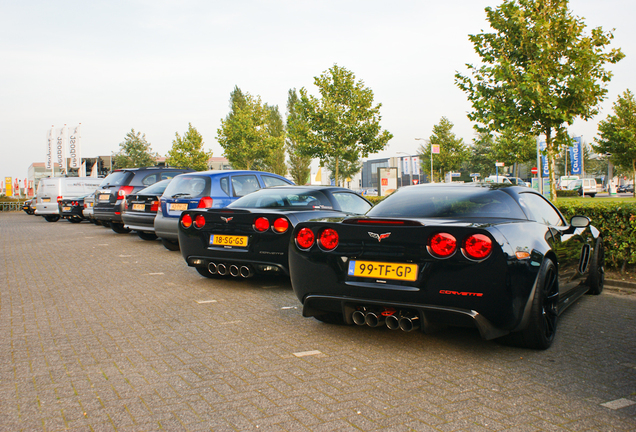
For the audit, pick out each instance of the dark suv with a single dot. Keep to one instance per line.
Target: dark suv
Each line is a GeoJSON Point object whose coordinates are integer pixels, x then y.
{"type": "Point", "coordinates": [112, 192]}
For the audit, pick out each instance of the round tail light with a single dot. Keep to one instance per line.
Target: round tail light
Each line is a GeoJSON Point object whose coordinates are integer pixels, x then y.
{"type": "Point", "coordinates": [281, 225]}
{"type": "Point", "coordinates": [329, 239]}
{"type": "Point", "coordinates": [261, 224]}
{"type": "Point", "coordinates": [199, 221]}
{"type": "Point", "coordinates": [186, 221]}
{"type": "Point", "coordinates": [442, 245]}
{"type": "Point", "coordinates": [305, 238]}
{"type": "Point", "coordinates": [478, 246]}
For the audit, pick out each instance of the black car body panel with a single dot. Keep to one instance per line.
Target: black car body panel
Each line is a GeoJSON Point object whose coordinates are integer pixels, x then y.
{"type": "Point", "coordinates": [141, 208]}
{"type": "Point", "coordinates": [259, 251]}
{"type": "Point", "coordinates": [494, 293]}
{"type": "Point", "coordinates": [72, 209]}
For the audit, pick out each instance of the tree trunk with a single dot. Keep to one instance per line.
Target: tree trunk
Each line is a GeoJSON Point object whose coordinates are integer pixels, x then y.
{"type": "Point", "coordinates": [634, 177]}
{"type": "Point", "coordinates": [551, 164]}
{"type": "Point", "coordinates": [336, 176]}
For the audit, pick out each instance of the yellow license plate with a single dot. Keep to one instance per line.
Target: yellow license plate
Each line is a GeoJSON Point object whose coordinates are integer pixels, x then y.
{"type": "Point", "coordinates": [178, 206]}
{"type": "Point", "coordinates": [383, 270]}
{"type": "Point", "coordinates": [67, 209]}
{"type": "Point", "coordinates": [139, 207]}
{"type": "Point", "coordinates": [46, 199]}
{"type": "Point", "coordinates": [104, 197]}
{"type": "Point", "coordinates": [228, 240]}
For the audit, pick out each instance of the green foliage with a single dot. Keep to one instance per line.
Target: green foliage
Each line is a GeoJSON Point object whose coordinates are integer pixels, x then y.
{"type": "Point", "coordinates": [618, 134]}
{"type": "Point", "coordinates": [615, 221]}
{"type": "Point", "coordinates": [299, 164]}
{"type": "Point", "coordinates": [539, 71]}
{"type": "Point", "coordinates": [567, 193]}
{"type": "Point", "coordinates": [343, 123]}
{"type": "Point", "coordinates": [247, 134]}
{"type": "Point", "coordinates": [347, 169]}
{"type": "Point", "coordinates": [513, 148]}
{"type": "Point", "coordinates": [482, 156]}
{"type": "Point", "coordinates": [135, 152]}
{"type": "Point", "coordinates": [187, 152]}
{"type": "Point", "coordinates": [452, 150]}
{"type": "Point", "coordinates": [275, 163]}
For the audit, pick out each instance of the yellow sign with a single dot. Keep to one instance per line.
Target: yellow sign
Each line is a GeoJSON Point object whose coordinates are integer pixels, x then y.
{"type": "Point", "coordinates": [8, 183]}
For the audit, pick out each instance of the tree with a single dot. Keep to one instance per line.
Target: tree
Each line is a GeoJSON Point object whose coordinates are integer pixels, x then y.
{"type": "Point", "coordinates": [514, 149]}
{"type": "Point", "coordinates": [276, 161]}
{"type": "Point", "coordinates": [135, 152]}
{"type": "Point", "coordinates": [347, 168]}
{"type": "Point", "coordinates": [539, 71]}
{"type": "Point", "coordinates": [245, 134]}
{"type": "Point", "coordinates": [343, 122]}
{"type": "Point", "coordinates": [482, 158]}
{"type": "Point", "coordinates": [618, 134]}
{"type": "Point", "coordinates": [299, 164]}
{"type": "Point", "coordinates": [187, 152]}
{"type": "Point", "coordinates": [452, 150]}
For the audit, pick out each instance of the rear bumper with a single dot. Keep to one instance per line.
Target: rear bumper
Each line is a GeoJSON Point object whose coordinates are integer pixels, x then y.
{"type": "Point", "coordinates": [42, 209]}
{"type": "Point", "coordinates": [139, 222]}
{"type": "Point", "coordinates": [107, 213]}
{"type": "Point", "coordinates": [166, 227]}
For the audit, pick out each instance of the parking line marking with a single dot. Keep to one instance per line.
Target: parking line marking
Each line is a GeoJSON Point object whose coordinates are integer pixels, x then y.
{"type": "Point", "coordinates": [307, 353]}
{"type": "Point", "coordinates": [289, 307]}
{"type": "Point", "coordinates": [618, 403]}
{"type": "Point", "coordinates": [206, 301]}
{"type": "Point", "coordinates": [154, 274]}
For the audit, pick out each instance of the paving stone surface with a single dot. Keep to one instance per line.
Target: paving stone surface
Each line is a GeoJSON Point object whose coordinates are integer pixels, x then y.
{"type": "Point", "coordinates": [103, 331]}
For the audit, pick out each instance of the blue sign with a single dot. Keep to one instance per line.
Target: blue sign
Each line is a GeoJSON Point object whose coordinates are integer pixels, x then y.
{"type": "Point", "coordinates": [544, 161]}
{"type": "Point", "coordinates": [575, 156]}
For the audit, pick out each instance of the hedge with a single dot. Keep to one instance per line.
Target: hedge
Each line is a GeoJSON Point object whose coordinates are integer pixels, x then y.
{"type": "Point", "coordinates": [615, 220]}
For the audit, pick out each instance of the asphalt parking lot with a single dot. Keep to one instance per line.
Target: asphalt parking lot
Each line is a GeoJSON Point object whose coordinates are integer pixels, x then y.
{"type": "Point", "coordinates": [102, 331]}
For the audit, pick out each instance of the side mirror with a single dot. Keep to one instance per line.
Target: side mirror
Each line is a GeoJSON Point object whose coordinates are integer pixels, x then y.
{"type": "Point", "coordinates": [580, 222]}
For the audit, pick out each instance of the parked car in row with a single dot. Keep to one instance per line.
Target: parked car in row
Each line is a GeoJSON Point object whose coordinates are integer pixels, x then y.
{"type": "Point", "coordinates": [206, 189]}
{"type": "Point", "coordinates": [29, 206]}
{"type": "Point", "coordinates": [140, 210]}
{"type": "Point", "coordinates": [251, 235]}
{"type": "Point", "coordinates": [501, 259]}
{"type": "Point", "coordinates": [51, 190]}
{"type": "Point", "coordinates": [585, 186]}
{"type": "Point", "coordinates": [629, 188]}
{"type": "Point", "coordinates": [72, 209]}
{"type": "Point", "coordinates": [113, 190]}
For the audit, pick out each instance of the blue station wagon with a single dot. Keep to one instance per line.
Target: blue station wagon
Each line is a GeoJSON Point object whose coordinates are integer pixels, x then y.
{"type": "Point", "coordinates": [206, 189]}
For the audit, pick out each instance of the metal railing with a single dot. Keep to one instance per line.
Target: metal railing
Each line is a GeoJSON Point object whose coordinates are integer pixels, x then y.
{"type": "Point", "coordinates": [10, 206]}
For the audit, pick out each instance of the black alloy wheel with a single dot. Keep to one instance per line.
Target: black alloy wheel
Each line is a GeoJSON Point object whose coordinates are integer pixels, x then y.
{"type": "Point", "coordinates": [544, 314]}
{"type": "Point", "coordinates": [171, 245]}
{"type": "Point", "coordinates": [119, 228]}
{"type": "Point", "coordinates": [52, 218]}
{"type": "Point", "coordinates": [147, 235]}
{"type": "Point", "coordinates": [596, 279]}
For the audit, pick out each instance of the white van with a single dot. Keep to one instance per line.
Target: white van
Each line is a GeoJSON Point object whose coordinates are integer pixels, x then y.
{"type": "Point", "coordinates": [585, 186]}
{"type": "Point", "coordinates": [53, 189]}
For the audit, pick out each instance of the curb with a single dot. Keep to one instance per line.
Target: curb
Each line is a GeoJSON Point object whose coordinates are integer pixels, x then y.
{"type": "Point", "coordinates": [621, 286]}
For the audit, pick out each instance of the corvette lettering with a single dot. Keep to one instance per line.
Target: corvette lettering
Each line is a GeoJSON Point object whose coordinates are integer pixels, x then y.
{"type": "Point", "coordinates": [461, 293]}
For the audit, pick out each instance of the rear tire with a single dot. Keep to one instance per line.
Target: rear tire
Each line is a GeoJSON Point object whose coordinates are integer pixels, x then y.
{"type": "Point", "coordinates": [147, 235]}
{"type": "Point", "coordinates": [52, 218]}
{"type": "Point", "coordinates": [74, 219]}
{"type": "Point", "coordinates": [171, 245]}
{"type": "Point", "coordinates": [543, 320]}
{"type": "Point", "coordinates": [596, 279]}
{"type": "Point", "coordinates": [119, 228]}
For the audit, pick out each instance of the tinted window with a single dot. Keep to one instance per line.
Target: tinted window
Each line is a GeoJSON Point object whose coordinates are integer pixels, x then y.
{"type": "Point", "coordinates": [155, 189]}
{"type": "Point", "coordinates": [168, 175]}
{"type": "Point", "coordinates": [284, 198]}
{"type": "Point", "coordinates": [449, 202]}
{"type": "Point", "coordinates": [244, 184]}
{"type": "Point", "coordinates": [273, 181]}
{"type": "Point", "coordinates": [188, 186]}
{"type": "Point", "coordinates": [542, 211]}
{"type": "Point", "coordinates": [150, 179]}
{"type": "Point", "coordinates": [225, 185]}
{"type": "Point", "coordinates": [351, 203]}
{"type": "Point", "coordinates": [117, 178]}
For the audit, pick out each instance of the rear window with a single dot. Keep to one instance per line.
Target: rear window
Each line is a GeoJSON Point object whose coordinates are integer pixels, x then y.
{"type": "Point", "coordinates": [188, 186]}
{"type": "Point", "coordinates": [155, 189]}
{"type": "Point", "coordinates": [284, 199]}
{"type": "Point", "coordinates": [117, 178]}
{"type": "Point", "coordinates": [271, 181]}
{"type": "Point", "coordinates": [448, 202]}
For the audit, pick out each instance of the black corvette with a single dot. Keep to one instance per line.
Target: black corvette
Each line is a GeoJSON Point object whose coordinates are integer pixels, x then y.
{"type": "Point", "coordinates": [72, 209]}
{"type": "Point", "coordinates": [252, 234]}
{"type": "Point", "coordinates": [499, 258]}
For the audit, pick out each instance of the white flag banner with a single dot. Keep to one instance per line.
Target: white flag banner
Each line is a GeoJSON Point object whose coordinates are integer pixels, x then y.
{"type": "Point", "coordinates": [416, 165]}
{"type": "Point", "coordinates": [82, 170]}
{"type": "Point", "coordinates": [405, 165]}
{"type": "Point", "coordinates": [60, 148]}
{"type": "Point", "coordinates": [94, 170]}
{"type": "Point", "coordinates": [74, 149]}
{"type": "Point", "coordinates": [50, 138]}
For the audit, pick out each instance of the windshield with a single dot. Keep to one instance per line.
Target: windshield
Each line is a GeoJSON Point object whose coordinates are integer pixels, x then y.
{"type": "Point", "coordinates": [117, 178]}
{"type": "Point", "coordinates": [448, 202]}
{"type": "Point", "coordinates": [188, 186]}
{"type": "Point", "coordinates": [284, 199]}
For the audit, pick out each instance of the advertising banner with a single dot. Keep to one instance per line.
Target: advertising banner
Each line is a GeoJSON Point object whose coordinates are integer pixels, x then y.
{"type": "Point", "coordinates": [60, 148]}
{"type": "Point", "coordinates": [435, 148]}
{"type": "Point", "coordinates": [74, 152]}
{"type": "Point", "coordinates": [575, 156]}
{"type": "Point", "coordinates": [8, 182]}
{"type": "Point", "coordinates": [545, 170]}
{"type": "Point", "coordinates": [416, 165]}
{"type": "Point", "coordinates": [50, 138]}
{"type": "Point", "coordinates": [387, 177]}
{"type": "Point", "coordinates": [405, 165]}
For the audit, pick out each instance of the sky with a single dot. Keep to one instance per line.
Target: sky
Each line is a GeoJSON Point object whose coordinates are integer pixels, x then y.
{"type": "Point", "coordinates": [157, 65]}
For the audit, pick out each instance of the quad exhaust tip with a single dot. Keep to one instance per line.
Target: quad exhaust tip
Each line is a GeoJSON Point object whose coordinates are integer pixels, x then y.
{"type": "Point", "coordinates": [234, 270]}
{"type": "Point", "coordinates": [393, 319]}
